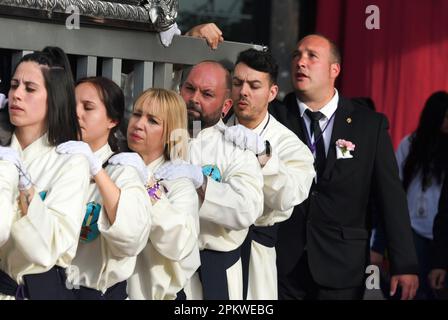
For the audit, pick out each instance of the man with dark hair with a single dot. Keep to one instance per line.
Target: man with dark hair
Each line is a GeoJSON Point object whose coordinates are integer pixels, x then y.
{"type": "Point", "coordinates": [322, 250]}
{"type": "Point", "coordinates": [287, 166]}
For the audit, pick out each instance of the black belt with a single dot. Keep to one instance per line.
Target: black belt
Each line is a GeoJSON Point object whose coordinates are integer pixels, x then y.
{"type": "Point", "coordinates": [181, 295]}
{"type": "Point", "coordinates": [212, 272]}
{"type": "Point", "coordinates": [50, 285]}
{"type": "Point", "coordinates": [116, 292]}
{"type": "Point", "coordinates": [266, 236]}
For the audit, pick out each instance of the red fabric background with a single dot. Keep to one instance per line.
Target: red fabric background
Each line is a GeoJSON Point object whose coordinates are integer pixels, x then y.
{"type": "Point", "coordinates": [398, 66]}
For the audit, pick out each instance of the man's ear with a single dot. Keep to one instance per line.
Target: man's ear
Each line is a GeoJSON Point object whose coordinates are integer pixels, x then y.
{"type": "Point", "coordinates": [228, 103]}
{"type": "Point", "coordinates": [273, 91]}
{"type": "Point", "coordinates": [335, 69]}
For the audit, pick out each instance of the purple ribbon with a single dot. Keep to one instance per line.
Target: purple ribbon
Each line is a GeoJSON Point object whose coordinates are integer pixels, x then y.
{"type": "Point", "coordinates": [20, 292]}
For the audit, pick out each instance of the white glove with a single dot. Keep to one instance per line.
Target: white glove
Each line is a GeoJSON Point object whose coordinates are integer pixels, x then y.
{"type": "Point", "coordinates": [166, 37]}
{"type": "Point", "coordinates": [173, 171]}
{"type": "Point", "coordinates": [3, 101]}
{"type": "Point", "coordinates": [245, 138]}
{"type": "Point", "coordinates": [80, 147]}
{"type": "Point", "coordinates": [131, 159]}
{"type": "Point", "coordinates": [11, 155]}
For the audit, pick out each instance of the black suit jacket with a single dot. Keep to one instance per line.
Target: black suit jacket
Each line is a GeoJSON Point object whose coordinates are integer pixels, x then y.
{"type": "Point", "coordinates": [439, 246]}
{"type": "Point", "coordinates": [334, 222]}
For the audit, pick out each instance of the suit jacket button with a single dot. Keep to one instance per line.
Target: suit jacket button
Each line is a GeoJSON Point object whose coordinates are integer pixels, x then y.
{"type": "Point", "coordinates": [314, 193]}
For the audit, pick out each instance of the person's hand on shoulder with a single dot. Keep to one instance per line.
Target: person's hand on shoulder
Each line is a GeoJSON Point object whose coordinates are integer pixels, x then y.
{"type": "Point", "coordinates": [80, 147]}
{"type": "Point", "coordinates": [132, 159]}
{"type": "Point", "coordinates": [181, 169]}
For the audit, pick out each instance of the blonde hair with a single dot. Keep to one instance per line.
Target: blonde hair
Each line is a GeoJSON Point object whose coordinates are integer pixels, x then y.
{"type": "Point", "coordinates": [170, 107]}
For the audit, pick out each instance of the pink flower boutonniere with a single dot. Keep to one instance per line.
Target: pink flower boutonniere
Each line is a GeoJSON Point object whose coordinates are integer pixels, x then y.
{"type": "Point", "coordinates": [343, 148]}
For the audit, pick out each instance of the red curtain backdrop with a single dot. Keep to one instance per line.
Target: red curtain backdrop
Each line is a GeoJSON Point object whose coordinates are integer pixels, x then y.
{"type": "Point", "coordinates": [399, 65]}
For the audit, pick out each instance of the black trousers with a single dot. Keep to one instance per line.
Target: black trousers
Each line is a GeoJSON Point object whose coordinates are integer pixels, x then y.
{"type": "Point", "coordinates": [49, 285]}
{"type": "Point", "coordinates": [300, 285]}
{"type": "Point", "coordinates": [116, 292]}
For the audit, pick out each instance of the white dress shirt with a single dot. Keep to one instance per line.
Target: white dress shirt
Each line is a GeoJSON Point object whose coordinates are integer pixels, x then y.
{"type": "Point", "coordinates": [327, 121]}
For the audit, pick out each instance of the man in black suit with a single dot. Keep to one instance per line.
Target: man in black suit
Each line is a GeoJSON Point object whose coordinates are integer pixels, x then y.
{"type": "Point", "coordinates": [322, 250]}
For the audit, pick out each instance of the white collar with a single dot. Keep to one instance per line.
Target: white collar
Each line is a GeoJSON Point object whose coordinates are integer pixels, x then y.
{"type": "Point", "coordinates": [218, 127]}
{"type": "Point", "coordinates": [155, 164]}
{"type": "Point", "coordinates": [327, 110]}
{"type": "Point", "coordinates": [233, 120]}
{"type": "Point", "coordinates": [38, 147]}
{"type": "Point", "coordinates": [104, 153]}
{"type": "Point", "coordinates": [259, 129]}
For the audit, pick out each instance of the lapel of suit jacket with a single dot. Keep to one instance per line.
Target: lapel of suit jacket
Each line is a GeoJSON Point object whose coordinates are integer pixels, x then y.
{"type": "Point", "coordinates": [341, 130]}
{"type": "Point", "coordinates": [293, 116]}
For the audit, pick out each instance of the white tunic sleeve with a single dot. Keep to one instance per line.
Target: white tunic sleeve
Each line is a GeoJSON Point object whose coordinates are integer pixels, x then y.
{"type": "Point", "coordinates": [9, 180]}
{"type": "Point", "coordinates": [51, 227]}
{"type": "Point", "coordinates": [175, 222]}
{"type": "Point", "coordinates": [288, 175]}
{"type": "Point", "coordinates": [237, 201]}
{"type": "Point", "coordinates": [129, 233]}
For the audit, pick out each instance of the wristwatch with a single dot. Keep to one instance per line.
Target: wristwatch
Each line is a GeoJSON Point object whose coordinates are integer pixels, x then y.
{"type": "Point", "coordinates": [264, 157]}
{"type": "Point", "coordinates": [267, 149]}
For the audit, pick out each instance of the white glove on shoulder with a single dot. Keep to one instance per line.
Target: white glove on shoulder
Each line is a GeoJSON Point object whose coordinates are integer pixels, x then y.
{"type": "Point", "coordinates": [3, 101]}
{"type": "Point", "coordinates": [166, 37]}
{"type": "Point", "coordinates": [11, 155]}
{"type": "Point", "coordinates": [80, 147]}
{"type": "Point", "coordinates": [132, 159]}
{"type": "Point", "coordinates": [172, 171]}
{"type": "Point", "coordinates": [244, 138]}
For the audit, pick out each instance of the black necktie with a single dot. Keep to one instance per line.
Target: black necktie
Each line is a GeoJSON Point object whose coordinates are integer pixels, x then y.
{"type": "Point", "coordinates": [316, 131]}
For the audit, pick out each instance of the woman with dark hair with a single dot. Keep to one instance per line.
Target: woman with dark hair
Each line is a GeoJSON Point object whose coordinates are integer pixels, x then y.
{"type": "Point", "coordinates": [439, 252]}
{"type": "Point", "coordinates": [423, 162]}
{"type": "Point", "coordinates": [116, 223]}
{"type": "Point", "coordinates": [39, 232]}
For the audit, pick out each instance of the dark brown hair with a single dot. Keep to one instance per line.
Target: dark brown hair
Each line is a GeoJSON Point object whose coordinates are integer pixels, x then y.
{"type": "Point", "coordinates": [112, 97]}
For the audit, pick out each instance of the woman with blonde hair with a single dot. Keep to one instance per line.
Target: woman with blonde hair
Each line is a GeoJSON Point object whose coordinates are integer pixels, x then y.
{"type": "Point", "coordinates": [157, 131]}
